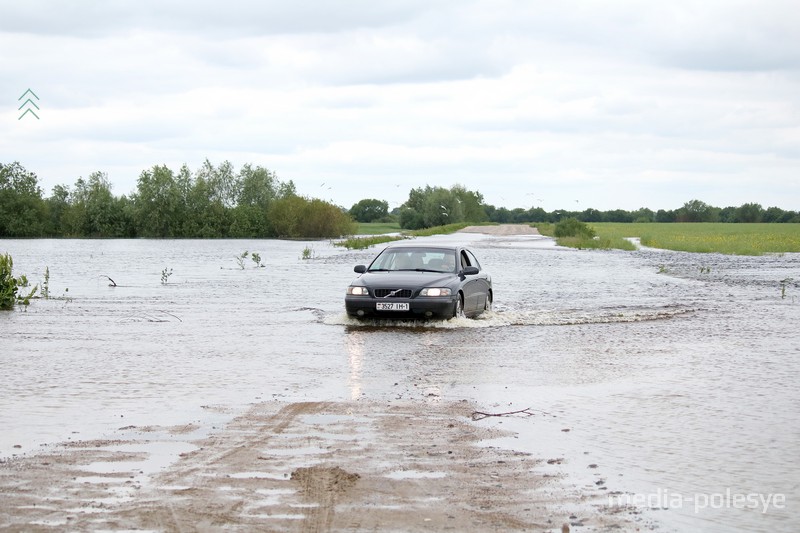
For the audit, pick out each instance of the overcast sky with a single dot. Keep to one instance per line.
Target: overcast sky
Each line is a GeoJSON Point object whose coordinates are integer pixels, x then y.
{"type": "Point", "coordinates": [563, 105]}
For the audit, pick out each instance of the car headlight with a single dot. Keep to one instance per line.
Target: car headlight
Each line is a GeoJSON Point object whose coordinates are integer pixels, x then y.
{"type": "Point", "coordinates": [435, 291]}
{"type": "Point", "coordinates": [357, 291]}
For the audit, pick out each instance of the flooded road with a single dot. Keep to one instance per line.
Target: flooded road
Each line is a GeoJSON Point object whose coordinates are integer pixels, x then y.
{"type": "Point", "coordinates": [668, 380]}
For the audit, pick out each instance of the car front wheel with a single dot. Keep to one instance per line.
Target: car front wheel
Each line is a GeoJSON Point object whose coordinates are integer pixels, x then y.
{"type": "Point", "coordinates": [459, 309]}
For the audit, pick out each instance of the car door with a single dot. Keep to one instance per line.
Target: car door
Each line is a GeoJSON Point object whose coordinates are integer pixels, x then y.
{"type": "Point", "coordinates": [474, 287]}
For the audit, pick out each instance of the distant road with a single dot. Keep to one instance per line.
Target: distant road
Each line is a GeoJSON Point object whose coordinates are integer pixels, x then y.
{"type": "Point", "coordinates": [502, 229]}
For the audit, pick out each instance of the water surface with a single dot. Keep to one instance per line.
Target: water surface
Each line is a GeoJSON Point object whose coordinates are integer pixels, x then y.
{"type": "Point", "coordinates": [656, 374]}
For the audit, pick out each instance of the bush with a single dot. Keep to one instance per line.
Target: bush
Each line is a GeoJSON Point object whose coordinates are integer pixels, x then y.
{"type": "Point", "coordinates": [572, 227]}
{"type": "Point", "coordinates": [9, 285]}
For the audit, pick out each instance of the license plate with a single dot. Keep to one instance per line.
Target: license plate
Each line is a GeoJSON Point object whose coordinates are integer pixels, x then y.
{"type": "Point", "coordinates": [391, 306]}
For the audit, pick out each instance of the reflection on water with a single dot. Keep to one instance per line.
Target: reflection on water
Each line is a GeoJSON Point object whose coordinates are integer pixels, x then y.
{"type": "Point", "coordinates": [355, 349]}
{"type": "Point", "coordinates": [673, 372]}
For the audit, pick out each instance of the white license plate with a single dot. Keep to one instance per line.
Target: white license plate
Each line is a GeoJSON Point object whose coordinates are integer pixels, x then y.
{"type": "Point", "coordinates": [391, 306]}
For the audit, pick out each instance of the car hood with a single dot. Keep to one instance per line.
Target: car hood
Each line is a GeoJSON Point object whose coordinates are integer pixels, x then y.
{"type": "Point", "coordinates": [404, 280]}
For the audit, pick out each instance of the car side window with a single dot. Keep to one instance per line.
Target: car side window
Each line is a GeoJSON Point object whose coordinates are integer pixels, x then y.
{"type": "Point", "coordinates": [472, 260]}
{"type": "Point", "coordinates": [464, 260]}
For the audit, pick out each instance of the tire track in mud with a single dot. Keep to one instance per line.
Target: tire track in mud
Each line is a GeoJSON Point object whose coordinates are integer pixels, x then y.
{"type": "Point", "coordinates": [313, 466]}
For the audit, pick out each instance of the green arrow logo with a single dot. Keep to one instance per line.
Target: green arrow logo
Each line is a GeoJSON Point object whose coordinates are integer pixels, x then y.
{"type": "Point", "coordinates": [26, 103]}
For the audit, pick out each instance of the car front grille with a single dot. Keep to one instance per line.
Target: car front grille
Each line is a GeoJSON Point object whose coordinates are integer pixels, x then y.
{"type": "Point", "coordinates": [393, 293]}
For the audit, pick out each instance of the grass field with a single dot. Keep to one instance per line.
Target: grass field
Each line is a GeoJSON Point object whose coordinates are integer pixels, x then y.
{"type": "Point", "coordinates": [377, 228]}
{"type": "Point", "coordinates": [736, 239]}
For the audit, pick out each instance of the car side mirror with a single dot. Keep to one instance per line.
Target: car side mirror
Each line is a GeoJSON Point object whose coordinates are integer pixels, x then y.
{"type": "Point", "coordinates": [360, 269]}
{"type": "Point", "coordinates": [469, 271]}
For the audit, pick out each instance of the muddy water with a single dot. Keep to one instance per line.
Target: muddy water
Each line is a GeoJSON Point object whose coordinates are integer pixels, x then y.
{"type": "Point", "coordinates": [670, 379]}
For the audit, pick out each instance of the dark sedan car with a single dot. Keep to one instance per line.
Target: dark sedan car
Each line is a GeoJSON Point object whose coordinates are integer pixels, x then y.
{"type": "Point", "coordinates": [417, 281]}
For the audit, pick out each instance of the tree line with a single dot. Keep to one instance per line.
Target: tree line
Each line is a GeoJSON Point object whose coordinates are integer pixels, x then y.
{"type": "Point", "coordinates": [434, 206]}
{"type": "Point", "coordinates": [215, 201]}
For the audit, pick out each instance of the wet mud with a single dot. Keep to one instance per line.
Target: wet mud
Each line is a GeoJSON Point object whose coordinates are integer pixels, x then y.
{"type": "Point", "coordinates": [310, 466]}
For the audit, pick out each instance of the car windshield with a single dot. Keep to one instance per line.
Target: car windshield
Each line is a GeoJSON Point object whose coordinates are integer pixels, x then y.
{"type": "Point", "coordinates": [422, 259]}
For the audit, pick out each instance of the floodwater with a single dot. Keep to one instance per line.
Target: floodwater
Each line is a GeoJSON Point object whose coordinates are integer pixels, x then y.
{"type": "Point", "coordinates": [669, 378]}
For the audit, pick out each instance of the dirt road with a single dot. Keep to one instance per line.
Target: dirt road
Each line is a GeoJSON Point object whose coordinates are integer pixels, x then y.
{"type": "Point", "coordinates": [502, 229]}
{"type": "Point", "coordinates": [359, 466]}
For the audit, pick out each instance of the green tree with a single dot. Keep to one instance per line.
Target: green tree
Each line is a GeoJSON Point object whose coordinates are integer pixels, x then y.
{"type": "Point", "coordinates": [591, 215]}
{"type": "Point", "coordinates": [369, 210]}
{"type": "Point", "coordinates": [501, 215]}
{"type": "Point", "coordinates": [323, 219]}
{"type": "Point", "coordinates": [256, 187]}
{"type": "Point", "coordinates": [286, 215]}
{"type": "Point", "coordinates": [472, 206]}
{"type": "Point", "coordinates": [749, 213]}
{"type": "Point", "coordinates": [643, 214]}
{"type": "Point", "coordinates": [58, 208]}
{"type": "Point", "coordinates": [96, 212]}
{"type": "Point", "coordinates": [663, 215]}
{"type": "Point", "coordinates": [617, 215]}
{"type": "Point", "coordinates": [436, 206]}
{"type": "Point", "coordinates": [23, 212]}
{"type": "Point", "coordinates": [411, 219]}
{"type": "Point", "coordinates": [697, 211]}
{"type": "Point", "coordinates": [776, 214]}
{"type": "Point", "coordinates": [257, 190]}
{"type": "Point", "coordinates": [537, 214]}
{"type": "Point", "coordinates": [295, 217]}
{"type": "Point", "coordinates": [206, 217]}
{"type": "Point", "coordinates": [157, 202]}
{"type": "Point", "coordinates": [222, 182]}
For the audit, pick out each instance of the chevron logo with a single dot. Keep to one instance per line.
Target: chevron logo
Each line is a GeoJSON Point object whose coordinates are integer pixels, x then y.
{"type": "Point", "coordinates": [27, 104]}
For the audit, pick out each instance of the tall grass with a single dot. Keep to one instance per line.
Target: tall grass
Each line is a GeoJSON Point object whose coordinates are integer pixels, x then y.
{"type": "Point", "coordinates": [725, 238]}
{"type": "Point", "coordinates": [594, 240]}
{"type": "Point", "coordinates": [360, 243]}
{"type": "Point", "coordinates": [377, 228]}
{"type": "Point", "coordinates": [439, 230]}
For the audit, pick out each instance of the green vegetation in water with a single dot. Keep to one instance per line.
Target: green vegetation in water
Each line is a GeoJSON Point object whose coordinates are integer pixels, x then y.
{"type": "Point", "coordinates": [308, 253]}
{"type": "Point", "coordinates": [165, 274]}
{"type": "Point", "coordinates": [439, 230]}
{"type": "Point", "coordinates": [573, 233]}
{"type": "Point", "coordinates": [784, 283]}
{"type": "Point", "coordinates": [10, 286]}
{"type": "Point", "coordinates": [45, 292]}
{"type": "Point", "coordinates": [240, 259]}
{"type": "Point", "coordinates": [361, 243]}
{"type": "Point", "coordinates": [256, 257]}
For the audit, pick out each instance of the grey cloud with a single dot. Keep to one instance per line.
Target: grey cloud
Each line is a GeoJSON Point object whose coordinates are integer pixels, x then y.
{"type": "Point", "coordinates": [88, 18]}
